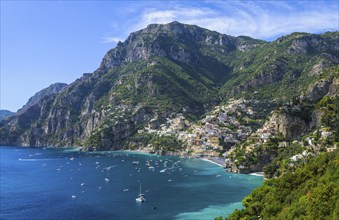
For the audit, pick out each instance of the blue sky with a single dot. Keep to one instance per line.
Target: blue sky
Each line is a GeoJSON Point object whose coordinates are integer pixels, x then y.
{"type": "Point", "coordinates": [43, 42]}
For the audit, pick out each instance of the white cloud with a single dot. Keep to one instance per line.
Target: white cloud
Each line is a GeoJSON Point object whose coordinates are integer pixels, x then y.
{"type": "Point", "coordinates": [182, 14]}
{"type": "Point", "coordinates": [267, 20]}
{"type": "Point", "coordinates": [111, 39]}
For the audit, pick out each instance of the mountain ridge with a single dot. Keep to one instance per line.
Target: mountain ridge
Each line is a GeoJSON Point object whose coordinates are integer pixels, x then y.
{"type": "Point", "coordinates": [50, 90]}
{"type": "Point", "coordinates": [160, 71]}
{"type": "Point", "coordinates": [5, 114]}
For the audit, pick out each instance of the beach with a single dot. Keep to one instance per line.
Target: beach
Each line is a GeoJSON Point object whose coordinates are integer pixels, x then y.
{"type": "Point", "coordinates": [257, 174]}
{"type": "Point", "coordinates": [215, 160]}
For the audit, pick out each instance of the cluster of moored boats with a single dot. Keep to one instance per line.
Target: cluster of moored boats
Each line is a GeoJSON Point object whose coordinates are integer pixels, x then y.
{"type": "Point", "coordinates": [162, 165]}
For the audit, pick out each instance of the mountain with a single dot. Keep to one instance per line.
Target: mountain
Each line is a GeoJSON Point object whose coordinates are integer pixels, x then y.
{"type": "Point", "coordinates": [5, 114]}
{"type": "Point", "coordinates": [184, 90]}
{"type": "Point", "coordinates": [51, 90]}
{"type": "Point", "coordinates": [165, 70]}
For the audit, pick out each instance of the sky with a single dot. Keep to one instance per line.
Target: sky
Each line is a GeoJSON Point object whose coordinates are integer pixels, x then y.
{"type": "Point", "coordinates": [44, 42]}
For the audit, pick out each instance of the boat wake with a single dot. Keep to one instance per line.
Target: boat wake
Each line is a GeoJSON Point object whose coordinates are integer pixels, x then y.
{"type": "Point", "coordinates": [33, 160]}
{"type": "Point", "coordinates": [109, 168]}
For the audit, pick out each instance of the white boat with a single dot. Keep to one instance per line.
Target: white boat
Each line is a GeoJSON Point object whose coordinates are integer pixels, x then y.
{"type": "Point", "coordinates": [135, 162]}
{"type": "Point", "coordinates": [141, 197]}
{"type": "Point", "coordinates": [162, 171]}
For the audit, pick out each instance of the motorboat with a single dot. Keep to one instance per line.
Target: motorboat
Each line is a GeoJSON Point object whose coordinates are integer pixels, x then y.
{"type": "Point", "coordinates": [140, 197]}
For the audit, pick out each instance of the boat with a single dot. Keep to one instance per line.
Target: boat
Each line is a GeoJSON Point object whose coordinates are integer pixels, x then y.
{"type": "Point", "coordinates": [140, 197]}
{"type": "Point", "coordinates": [135, 162]}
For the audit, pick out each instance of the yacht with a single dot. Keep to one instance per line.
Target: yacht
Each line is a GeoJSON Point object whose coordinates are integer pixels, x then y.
{"type": "Point", "coordinates": [135, 162]}
{"type": "Point", "coordinates": [140, 197]}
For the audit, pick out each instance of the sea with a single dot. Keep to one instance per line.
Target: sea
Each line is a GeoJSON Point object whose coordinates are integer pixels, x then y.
{"type": "Point", "coordinates": [66, 183]}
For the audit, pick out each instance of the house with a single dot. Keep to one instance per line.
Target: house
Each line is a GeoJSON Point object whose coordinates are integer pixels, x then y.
{"type": "Point", "coordinates": [265, 135]}
{"type": "Point", "coordinates": [326, 134]}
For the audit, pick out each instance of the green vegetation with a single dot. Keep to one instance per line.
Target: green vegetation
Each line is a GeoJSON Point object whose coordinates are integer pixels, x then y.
{"type": "Point", "coordinates": [329, 106]}
{"type": "Point", "coordinates": [95, 139]}
{"type": "Point", "coordinates": [275, 71]}
{"type": "Point", "coordinates": [306, 188]}
{"type": "Point", "coordinates": [159, 144]}
{"type": "Point", "coordinates": [166, 144]}
{"type": "Point", "coordinates": [282, 162]}
{"type": "Point", "coordinates": [310, 192]}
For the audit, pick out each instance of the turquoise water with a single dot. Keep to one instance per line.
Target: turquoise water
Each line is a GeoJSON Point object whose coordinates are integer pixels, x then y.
{"type": "Point", "coordinates": [67, 184]}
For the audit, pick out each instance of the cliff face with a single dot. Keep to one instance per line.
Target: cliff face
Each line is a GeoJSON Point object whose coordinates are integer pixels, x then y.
{"type": "Point", "coordinates": [288, 125]}
{"type": "Point", "coordinates": [157, 72]}
{"type": "Point", "coordinates": [292, 122]}
{"type": "Point", "coordinates": [175, 41]}
{"type": "Point", "coordinates": [283, 68]}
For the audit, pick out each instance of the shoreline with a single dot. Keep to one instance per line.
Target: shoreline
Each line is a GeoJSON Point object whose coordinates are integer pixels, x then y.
{"type": "Point", "coordinates": [216, 161]}
{"type": "Point", "coordinates": [257, 174]}
{"type": "Point", "coordinates": [137, 151]}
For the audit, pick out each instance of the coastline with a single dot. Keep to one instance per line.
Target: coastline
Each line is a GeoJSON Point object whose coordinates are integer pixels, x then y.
{"type": "Point", "coordinates": [217, 161]}
{"type": "Point", "coordinates": [138, 152]}
{"type": "Point", "coordinates": [257, 174]}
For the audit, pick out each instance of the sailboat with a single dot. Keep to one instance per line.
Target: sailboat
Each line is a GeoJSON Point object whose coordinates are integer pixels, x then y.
{"type": "Point", "coordinates": [141, 197]}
